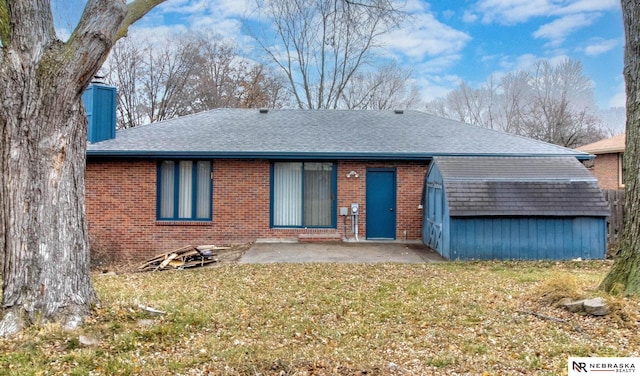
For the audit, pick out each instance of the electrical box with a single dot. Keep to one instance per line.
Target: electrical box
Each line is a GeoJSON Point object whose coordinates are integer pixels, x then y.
{"type": "Point", "coordinates": [355, 209]}
{"type": "Point", "coordinates": [344, 211]}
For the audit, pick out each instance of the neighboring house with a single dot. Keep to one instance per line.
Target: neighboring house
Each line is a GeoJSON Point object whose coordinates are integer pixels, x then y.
{"type": "Point", "coordinates": [608, 164]}
{"type": "Point", "coordinates": [514, 208]}
{"type": "Point", "coordinates": [237, 175]}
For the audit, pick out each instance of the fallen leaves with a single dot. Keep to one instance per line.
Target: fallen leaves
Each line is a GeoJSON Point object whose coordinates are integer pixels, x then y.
{"type": "Point", "coordinates": [333, 319]}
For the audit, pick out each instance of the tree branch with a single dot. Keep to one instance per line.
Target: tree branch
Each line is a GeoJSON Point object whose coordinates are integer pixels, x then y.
{"type": "Point", "coordinates": [376, 6]}
{"type": "Point", "coordinates": [135, 11]}
{"type": "Point", "coordinates": [102, 23]}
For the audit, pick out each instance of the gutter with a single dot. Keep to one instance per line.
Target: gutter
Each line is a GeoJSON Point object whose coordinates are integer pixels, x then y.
{"type": "Point", "coordinates": [145, 154]}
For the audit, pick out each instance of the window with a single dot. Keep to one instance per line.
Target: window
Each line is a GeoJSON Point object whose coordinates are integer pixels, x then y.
{"type": "Point", "coordinates": [303, 194]}
{"type": "Point", "coordinates": [184, 190]}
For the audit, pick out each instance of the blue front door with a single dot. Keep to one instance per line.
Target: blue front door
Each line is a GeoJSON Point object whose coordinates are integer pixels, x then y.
{"type": "Point", "coordinates": [381, 203]}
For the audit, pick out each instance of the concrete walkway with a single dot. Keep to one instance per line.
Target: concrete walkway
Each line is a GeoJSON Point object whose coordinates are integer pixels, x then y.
{"type": "Point", "coordinates": [361, 252]}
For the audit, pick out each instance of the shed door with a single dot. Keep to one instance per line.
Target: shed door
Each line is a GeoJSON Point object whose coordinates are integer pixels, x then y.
{"type": "Point", "coordinates": [434, 217]}
{"type": "Point", "coordinates": [381, 204]}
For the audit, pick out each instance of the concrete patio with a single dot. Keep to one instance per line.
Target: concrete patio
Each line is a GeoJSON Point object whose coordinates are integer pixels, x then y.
{"type": "Point", "coordinates": [263, 252]}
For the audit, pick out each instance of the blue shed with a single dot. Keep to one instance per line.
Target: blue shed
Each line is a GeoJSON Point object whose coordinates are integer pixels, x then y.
{"type": "Point", "coordinates": [513, 208]}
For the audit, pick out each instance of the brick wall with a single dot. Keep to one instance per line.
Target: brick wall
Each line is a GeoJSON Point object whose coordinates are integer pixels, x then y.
{"type": "Point", "coordinates": [121, 206]}
{"type": "Point", "coordinates": [606, 170]}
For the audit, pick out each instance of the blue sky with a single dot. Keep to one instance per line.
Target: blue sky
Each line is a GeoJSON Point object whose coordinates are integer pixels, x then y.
{"type": "Point", "coordinates": [443, 41]}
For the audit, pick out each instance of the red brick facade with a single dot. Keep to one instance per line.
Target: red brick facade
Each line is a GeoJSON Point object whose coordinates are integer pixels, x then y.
{"type": "Point", "coordinates": [121, 206]}
{"type": "Point", "coordinates": [606, 169]}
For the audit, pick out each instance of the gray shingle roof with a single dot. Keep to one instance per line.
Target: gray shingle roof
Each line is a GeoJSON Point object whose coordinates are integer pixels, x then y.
{"type": "Point", "coordinates": [317, 134]}
{"type": "Point", "coordinates": [534, 186]}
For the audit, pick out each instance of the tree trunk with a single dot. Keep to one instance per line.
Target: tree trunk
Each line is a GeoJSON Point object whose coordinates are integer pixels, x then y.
{"type": "Point", "coordinates": [625, 274]}
{"type": "Point", "coordinates": [42, 155]}
{"type": "Point", "coordinates": [46, 267]}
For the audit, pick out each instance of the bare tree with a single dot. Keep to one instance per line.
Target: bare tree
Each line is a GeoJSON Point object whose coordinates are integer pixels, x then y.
{"type": "Point", "coordinates": [553, 103]}
{"type": "Point", "coordinates": [166, 77]}
{"type": "Point", "coordinates": [515, 91]}
{"type": "Point", "coordinates": [153, 82]}
{"type": "Point", "coordinates": [624, 276]}
{"type": "Point", "coordinates": [477, 104]}
{"type": "Point", "coordinates": [562, 109]}
{"type": "Point", "coordinates": [262, 89]}
{"type": "Point", "coordinates": [463, 104]}
{"type": "Point", "coordinates": [199, 73]}
{"type": "Point", "coordinates": [123, 69]}
{"type": "Point", "coordinates": [386, 88]}
{"type": "Point", "coordinates": [614, 119]}
{"type": "Point", "coordinates": [42, 156]}
{"type": "Point", "coordinates": [322, 44]}
{"type": "Point", "coordinates": [218, 75]}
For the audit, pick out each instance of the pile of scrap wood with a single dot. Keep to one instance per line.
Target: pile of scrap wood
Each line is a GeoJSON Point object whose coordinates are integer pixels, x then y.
{"type": "Point", "coordinates": [182, 258]}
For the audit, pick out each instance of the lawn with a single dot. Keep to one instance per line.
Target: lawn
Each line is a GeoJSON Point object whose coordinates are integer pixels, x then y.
{"type": "Point", "coordinates": [475, 318]}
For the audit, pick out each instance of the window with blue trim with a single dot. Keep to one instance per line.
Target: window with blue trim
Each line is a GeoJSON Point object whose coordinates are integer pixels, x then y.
{"type": "Point", "coordinates": [303, 194]}
{"type": "Point", "coordinates": [184, 190]}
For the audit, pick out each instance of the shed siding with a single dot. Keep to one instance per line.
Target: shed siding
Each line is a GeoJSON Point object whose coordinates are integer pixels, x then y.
{"type": "Point", "coordinates": [530, 238]}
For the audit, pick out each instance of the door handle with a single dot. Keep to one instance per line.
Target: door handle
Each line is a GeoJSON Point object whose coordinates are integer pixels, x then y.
{"type": "Point", "coordinates": [390, 209]}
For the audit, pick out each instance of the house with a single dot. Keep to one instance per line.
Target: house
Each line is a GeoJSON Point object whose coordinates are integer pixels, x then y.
{"type": "Point", "coordinates": [513, 208]}
{"type": "Point", "coordinates": [608, 164]}
{"type": "Point", "coordinates": [237, 175]}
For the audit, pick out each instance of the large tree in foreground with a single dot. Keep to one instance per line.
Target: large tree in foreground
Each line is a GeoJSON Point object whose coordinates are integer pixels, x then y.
{"type": "Point", "coordinates": [43, 231]}
{"type": "Point", "coordinates": [625, 274]}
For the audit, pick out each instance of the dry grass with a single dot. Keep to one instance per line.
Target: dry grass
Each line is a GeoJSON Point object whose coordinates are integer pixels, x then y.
{"type": "Point", "coordinates": [328, 319]}
{"type": "Point", "coordinates": [558, 287]}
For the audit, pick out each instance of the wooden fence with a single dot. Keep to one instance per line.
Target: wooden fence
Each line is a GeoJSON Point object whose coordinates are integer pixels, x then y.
{"type": "Point", "coordinates": [615, 198]}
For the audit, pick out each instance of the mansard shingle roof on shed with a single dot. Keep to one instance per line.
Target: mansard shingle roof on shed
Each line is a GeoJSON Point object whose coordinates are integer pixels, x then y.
{"type": "Point", "coordinates": [520, 186]}
{"type": "Point", "coordinates": [320, 134]}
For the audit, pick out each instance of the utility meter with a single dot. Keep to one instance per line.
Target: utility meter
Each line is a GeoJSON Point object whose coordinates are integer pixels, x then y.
{"type": "Point", "coordinates": [354, 209]}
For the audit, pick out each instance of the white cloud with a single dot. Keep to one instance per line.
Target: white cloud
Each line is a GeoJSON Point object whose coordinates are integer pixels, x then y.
{"type": "Point", "coordinates": [512, 11]}
{"type": "Point", "coordinates": [182, 6]}
{"type": "Point", "coordinates": [557, 30]}
{"type": "Point", "coordinates": [436, 64]}
{"type": "Point", "coordinates": [525, 62]}
{"type": "Point", "coordinates": [522, 62]}
{"type": "Point", "coordinates": [171, 18]}
{"type": "Point", "coordinates": [231, 8]}
{"type": "Point", "coordinates": [227, 28]}
{"type": "Point", "coordinates": [412, 6]}
{"type": "Point", "coordinates": [448, 14]}
{"type": "Point", "coordinates": [207, 8]}
{"type": "Point", "coordinates": [599, 46]}
{"type": "Point", "coordinates": [588, 6]}
{"type": "Point", "coordinates": [432, 87]}
{"type": "Point", "coordinates": [157, 35]}
{"type": "Point", "coordinates": [561, 18]}
{"type": "Point", "coordinates": [620, 98]}
{"type": "Point", "coordinates": [557, 59]}
{"type": "Point", "coordinates": [424, 36]}
{"type": "Point", "coordinates": [469, 17]}
{"type": "Point", "coordinates": [518, 11]}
